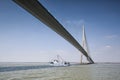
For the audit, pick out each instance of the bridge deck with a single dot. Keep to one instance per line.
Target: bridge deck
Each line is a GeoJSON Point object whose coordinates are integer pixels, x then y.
{"type": "Point", "coordinates": [37, 10]}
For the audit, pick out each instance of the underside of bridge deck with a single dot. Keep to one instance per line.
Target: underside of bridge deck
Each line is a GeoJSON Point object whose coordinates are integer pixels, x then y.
{"type": "Point", "coordinates": [37, 10]}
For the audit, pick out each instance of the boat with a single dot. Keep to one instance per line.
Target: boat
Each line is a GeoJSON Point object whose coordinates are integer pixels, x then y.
{"type": "Point", "coordinates": [59, 62]}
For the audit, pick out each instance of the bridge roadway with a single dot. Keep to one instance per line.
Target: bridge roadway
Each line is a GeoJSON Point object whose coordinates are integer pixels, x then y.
{"type": "Point", "coordinates": [41, 13]}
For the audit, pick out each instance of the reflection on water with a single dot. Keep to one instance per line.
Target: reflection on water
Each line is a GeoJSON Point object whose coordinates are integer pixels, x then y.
{"type": "Point", "coordinates": [17, 68]}
{"type": "Point", "coordinates": [75, 72]}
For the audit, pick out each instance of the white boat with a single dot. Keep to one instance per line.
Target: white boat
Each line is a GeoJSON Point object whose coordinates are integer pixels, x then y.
{"type": "Point", "coordinates": [59, 62]}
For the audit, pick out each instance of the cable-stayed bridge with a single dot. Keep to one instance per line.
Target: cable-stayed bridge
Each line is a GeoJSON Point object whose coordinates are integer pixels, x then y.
{"type": "Point", "coordinates": [41, 13]}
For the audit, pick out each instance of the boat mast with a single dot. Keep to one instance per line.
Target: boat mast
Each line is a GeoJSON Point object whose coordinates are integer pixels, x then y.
{"type": "Point", "coordinates": [59, 58]}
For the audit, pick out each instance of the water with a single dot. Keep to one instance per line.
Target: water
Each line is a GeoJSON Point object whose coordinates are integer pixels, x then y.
{"type": "Point", "coordinates": [42, 71]}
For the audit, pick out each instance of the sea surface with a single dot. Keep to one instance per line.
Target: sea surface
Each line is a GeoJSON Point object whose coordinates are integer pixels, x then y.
{"type": "Point", "coordinates": [43, 71]}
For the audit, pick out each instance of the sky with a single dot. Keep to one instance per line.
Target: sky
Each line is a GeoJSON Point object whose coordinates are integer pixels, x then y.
{"type": "Point", "coordinates": [23, 38]}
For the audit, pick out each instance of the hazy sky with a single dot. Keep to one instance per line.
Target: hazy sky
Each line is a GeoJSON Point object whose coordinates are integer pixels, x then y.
{"type": "Point", "coordinates": [24, 38]}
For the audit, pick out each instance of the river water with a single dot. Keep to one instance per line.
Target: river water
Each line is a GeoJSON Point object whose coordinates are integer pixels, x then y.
{"type": "Point", "coordinates": [42, 71]}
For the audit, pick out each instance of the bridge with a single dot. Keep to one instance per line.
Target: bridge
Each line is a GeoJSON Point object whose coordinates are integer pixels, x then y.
{"type": "Point", "coordinates": [37, 10]}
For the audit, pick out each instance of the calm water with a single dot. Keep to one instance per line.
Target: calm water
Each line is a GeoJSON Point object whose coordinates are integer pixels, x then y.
{"type": "Point", "coordinates": [42, 71]}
